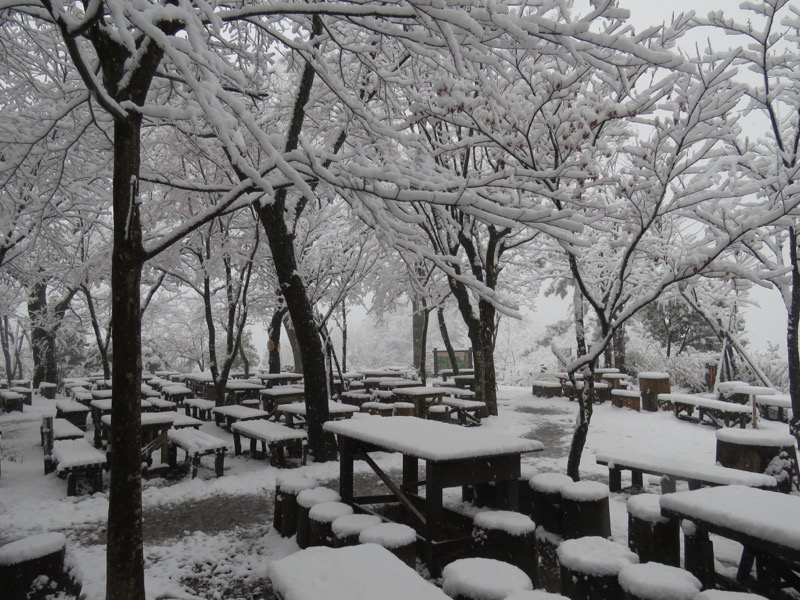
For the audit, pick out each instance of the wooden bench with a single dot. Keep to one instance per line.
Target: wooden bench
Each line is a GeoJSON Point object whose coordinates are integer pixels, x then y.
{"type": "Point", "coordinates": [715, 412]}
{"type": "Point", "coordinates": [196, 444]}
{"type": "Point", "coordinates": [72, 411]}
{"type": "Point", "coordinates": [232, 413]}
{"type": "Point", "coordinates": [468, 412]}
{"type": "Point", "coordinates": [274, 437]}
{"type": "Point", "coordinates": [11, 400]}
{"type": "Point", "coordinates": [781, 402]}
{"type": "Point", "coordinates": [295, 414]}
{"type": "Point", "coordinates": [73, 458]}
{"type": "Point", "coordinates": [199, 408]}
{"type": "Point", "coordinates": [672, 470]}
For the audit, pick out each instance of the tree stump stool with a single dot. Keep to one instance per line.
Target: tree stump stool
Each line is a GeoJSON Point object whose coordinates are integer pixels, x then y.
{"type": "Point", "coordinates": [584, 506]}
{"type": "Point", "coordinates": [602, 392]}
{"type": "Point", "coordinates": [546, 389]}
{"type": "Point", "coordinates": [403, 409]}
{"type": "Point", "coordinates": [546, 490]}
{"type": "Point", "coordinates": [759, 451]}
{"type": "Point", "coordinates": [651, 384]}
{"type": "Point", "coordinates": [725, 595]}
{"type": "Point", "coordinates": [616, 381]}
{"type": "Point", "coordinates": [483, 579]}
{"type": "Point", "coordinates": [305, 501]}
{"type": "Point", "coordinates": [506, 536]}
{"type": "Point", "coordinates": [284, 518]}
{"type": "Point", "coordinates": [590, 568]}
{"type": "Point", "coordinates": [548, 569]}
{"type": "Point", "coordinates": [627, 399]}
{"type": "Point", "coordinates": [525, 491]}
{"type": "Point", "coordinates": [601, 372]}
{"type": "Point", "coordinates": [535, 595]}
{"type": "Point", "coordinates": [25, 560]}
{"type": "Point", "coordinates": [321, 517]}
{"type": "Point", "coordinates": [48, 390]}
{"type": "Point", "coordinates": [439, 412]}
{"type": "Point", "coordinates": [654, 581]}
{"type": "Point", "coordinates": [653, 537]}
{"type": "Point", "coordinates": [400, 540]}
{"type": "Point", "coordinates": [347, 529]}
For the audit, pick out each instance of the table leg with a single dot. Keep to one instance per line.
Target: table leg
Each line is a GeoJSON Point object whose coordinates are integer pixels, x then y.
{"type": "Point", "coordinates": [410, 474]}
{"type": "Point", "coordinates": [346, 450]}
{"type": "Point", "coordinates": [434, 514]}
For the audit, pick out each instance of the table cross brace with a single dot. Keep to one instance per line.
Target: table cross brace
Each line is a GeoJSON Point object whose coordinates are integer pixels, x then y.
{"type": "Point", "coordinates": [393, 487]}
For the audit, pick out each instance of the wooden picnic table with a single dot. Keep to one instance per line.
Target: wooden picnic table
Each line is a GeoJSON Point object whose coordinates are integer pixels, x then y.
{"type": "Point", "coordinates": [272, 398]}
{"type": "Point", "coordinates": [764, 522]}
{"type": "Point", "coordinates": [453, 456]}
{"type": "Point", "coordinates": [72, 411]}
{"type": "Point", "coordinates": [466, 382]}
{"type": "Point", "coordinates": [277, 379]}
{"type": "Point", "coordinates": [233, 413]}
{"type": "Point", "coordinates": [420, 396]}
{"type": "Point", "coordinates": [154, 434]}
{"type": "Point", "coordinates": [100, 408]}
{"type": "Point", "coordinates": [292, 413]}
{"type": "Point", "coordinates": [361, 572]}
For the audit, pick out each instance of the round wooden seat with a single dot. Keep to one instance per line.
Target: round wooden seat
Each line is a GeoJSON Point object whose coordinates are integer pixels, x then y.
{"type": "Point", "coordinates": [590, 568]}
{"type": "Point", "coordinates": [347, 529]}
{"type": "Point", "coordinates": [24, 561]}
{"type": "Point", "coordinates": [759, 451]}
{"type": "Point", "coordinates": [726, 595]}
{"type": "Point", "coordinates": [584, 505]}
{"type": "Point", "coordinates": [507, 536]}
{"type": "Point", "coordinates": [535, 595]}
{"type": "Point", "coordinates": [284, 519]}
{"type": "Point", "coordinates": [305, 501]}
{"type": "Point", "coordinates": [483, 579]}
{"type": "Point", "coordinates": [546, 490]}
{"type": "Point", "coordinates": [321, 517]}
{"type": "Point", "coordinates": [651, 536]}
{"type": "Point", "coordinates": [400, 540]}
{"type": "Point", "coordinates": [548, 569]}
{"type": "Point", "coordinates": [654, 581]}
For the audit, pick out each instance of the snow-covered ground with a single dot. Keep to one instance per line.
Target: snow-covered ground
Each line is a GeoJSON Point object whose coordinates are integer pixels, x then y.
{"type": "Point", "coordinates": [211, 537]}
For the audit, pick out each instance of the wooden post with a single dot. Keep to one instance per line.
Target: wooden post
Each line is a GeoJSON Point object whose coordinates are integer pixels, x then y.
{"type": "Point", "coordinates": [651, 384]}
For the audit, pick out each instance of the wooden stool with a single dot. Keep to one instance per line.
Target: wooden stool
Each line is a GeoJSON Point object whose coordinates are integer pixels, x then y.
{"type": "Point", "coordinates": [584, 505]}
{"type": "Point", "coordinates": [525, 491]}
{"type": "Point", "coordinates": [305, 501]}
{"type": "Point", "coordinates": [483, 579]}
{"type": "Point", "coordinates": [321, 517]}
{"type": "Point", "coordinates": [546, 489]}
{"type": "Point", "coordinates": [400, 540]}
{"type": "Point", "coordinates": [439, 412]}
{"type": "Point", "coordinates": [507, 536]}
{"type": "Point", "coordinates": [347, 529]}
{"type": "Point", "coordinates": [403, 409]}
{"type": "Point", "coordinates": [725, 595]}
{"type": "Point", "coordinates": [651, 384]}
{"type": "Point", "coordinates": [25, 560]}
{"type": "Point", "coordinates": [367, 407]}
{"type": "Point", "coordinates": [590, 567]}
{"type": "Point", "coordinates": [759, 451]}
{"type": "Point", "coordinates": [651, 536]}
{"type": "Point", "coordinates": [654, 581]}
{"type": "Point", "coordinates": [284, 519]}
{"type": "Point", "coordinates": [548, 569]}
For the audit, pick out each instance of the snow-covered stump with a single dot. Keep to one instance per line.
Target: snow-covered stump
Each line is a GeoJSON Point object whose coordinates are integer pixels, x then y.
{"type": "Point", "coordinates": [403, 409]}
{"type": "Point", "coordinates": [590, 568]}
{"type": "Point", "coordinates": [654, 581]}
{"type": "Point", "coordinates": [525, 491]}
{"type": "Point", "coordinates": [651, 384]}
{"type": "Point", "coordinates": [653, 537]}
{"type": "Point", "coordinates": [602, 392]}
{"type": "Point", "coordinates": [546, 490]}
{"type": "Point", "coordinates": [48, 390]}
{"type": "Point", "coordinates": [759, 451]}
{"type": "Point", "coordinates": [584, 505]}
{"type": "Point", "coordinates": [285, 516]}
{"type": "Point", "coordinates": [22, 562]}
{"type": "Point", "coordinates": [726, 595]}
{"type": "Point", "coordinates": [698, 554]}
{"type": "Point", "coordinates": [546, 389]}
{"type": "Point", "coordinates": [347, 529]}
{"type": "Point", "coordinates": [507, 536]}
{"type": "Point", "coordinates": [439, 412]}
{"type": "Point", "coordinates": [627, 399]}
{"type": "Point", "coordinates": [535, 595]}
{"type": "Point", "coordinates": [548, 569]}
{"type": "Point", "coordinates": [321, 518]}
{"type": "Point", "coordinates": [400, 540]}
{"type": "Point", "coordinates": [483, 579]}
{"type": "Point", "coordinates": [305, 501]}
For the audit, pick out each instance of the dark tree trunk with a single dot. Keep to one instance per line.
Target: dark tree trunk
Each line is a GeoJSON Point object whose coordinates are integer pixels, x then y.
{"type": "Point", "coordinates": [102, 346]}
{"type": "Point", "coordinates": [344, 336]}
{"type": "Point", "coordinates": [297, 355]}
{"type": "Point", "coordinates": [274, 340]}
{"type": "Point", "coordinates": [281, 243]}
{"type": "Point", "coordinates": [423, 343]}
{"type": "Point", "coordinates": [618, 341]}
{"type": "Point", "coordinates": [6, 340]}
{"type": "Point", "coordinates": [42, 337]}
{"type": "Point", "coordinates": [124, 556]}
{"type": "Point", "coordinates": [451, 353]}
{"type": "Point", "coordinates": [793, 335]}
{"type": "Point", "coordinates": [586, 395]}
{"type": "Point", "coordinates": [419, 318]}
{"type": "Point", "coordinates": [245, 360]}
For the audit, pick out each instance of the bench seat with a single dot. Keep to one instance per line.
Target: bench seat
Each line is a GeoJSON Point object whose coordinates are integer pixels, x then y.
{"type": "Point", "coordinates": [232, 413]}
{"type": "Point", "coordinates": [781, 403]}
{"type": "Point", "coordinates": [715, 412]}
{"type": "Point", "coordinates": [196, 444]}
{"type": "Point", "coordinates": [72, 411]}
{"type": "Point", "coordinates": [671, 470]}
{"type": "Point", "coordinates": [78, 457]}
{"type": "Point", "coordinates": [11, 400]}
{"type": "Point", "coordinates": [468, 412]}
{"type": "Point", "coordinates": [63, 429]}
{"type": "Point", "coordinates": [199, 408]}
{"type": "Point", "coordinates": [274, 437]}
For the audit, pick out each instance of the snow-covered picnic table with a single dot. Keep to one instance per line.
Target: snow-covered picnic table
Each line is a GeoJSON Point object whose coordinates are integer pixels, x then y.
{"type": "Point", "coordinates": [764, 522]}
{"type": "Point", "coordinates": [292, 413]}
{"type": "Point", "coordinates": [454, 456]}
{"type": "Point", "coordinates": [420, 396]}
{"type": "Point", "coordinates": [272, 398]}
{"type": "Point", "coordinates": [361, 572]}
{"type": "Point", "coordinates": [278, 379]}
{"type": "Point", "coordinates": [154, 433]}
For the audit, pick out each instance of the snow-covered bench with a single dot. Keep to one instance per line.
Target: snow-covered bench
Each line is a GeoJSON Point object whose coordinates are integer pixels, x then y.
{"type": "Point", "coordinates": [11, 400]}
{"type": "Point", "coordinates": [672, 470]}
{"type": "Point", "coordinates": [196, 444]}
{"type": "Point", "coordinates": [72, 458]}
{"type": "Point", "coordinates": [274, 437]}
{"type": "Point", "coordinates": [716, 412]}
{"type": "Point", "coordinates": [199, 408]}
{"type": "Point", "coordinates": [73, 411]}
{"type": "Point", "coordinates": [468, 412]}
{"type": "Point", "coordinates": [781, 402]}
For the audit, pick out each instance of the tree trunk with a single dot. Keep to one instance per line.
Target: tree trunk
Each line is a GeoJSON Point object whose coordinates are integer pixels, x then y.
{"type": "Point", "coordinates": [619, 342]}
{"type": "Point", "coordinates": [451, 353]}
{"type": "Point", "coordinates": [102, 347]}
{"type": "Point", "coordinates": [423, 342]}
{"type": "Point", "coordinates": [281, 243]}
{"type": "Point", "coordinates": [124, 555]}
{"type": "Point", "coordinates": [43, 336]}
{"type": "Point", "coordinates": [297, 355]}
{"type": "Point", "coordinates": [793, 336]}
{"type": "Point", "coordinates": [344, 336]}
{"type": "Point", "coordinates": [274, 340]}
{"type": "Point", "coordinates": [586, 395]}
{"type": "Point", "coordinates": [419, 317]}
{"type": "Point", "coordinates": [6, 340]}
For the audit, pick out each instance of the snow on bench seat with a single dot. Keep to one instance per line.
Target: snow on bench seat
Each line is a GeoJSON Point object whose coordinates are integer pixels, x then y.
{"type": "Point", "coordinates": [718, 412]}
{"type": "Point", "coordinates": [362, 572]}
{"type": "Point", "coordinates": [469, 412]}
{"type": "Point", "coordinates": [64, 430]}
{"type": "Point", "coordinates": [79, 457]}
{"type": "Point", "coordinates": [697, 474]}
{"type": "Point", "coordinates": [196, 444]}
{"type": "Point", "coordinates": [273, 436]}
